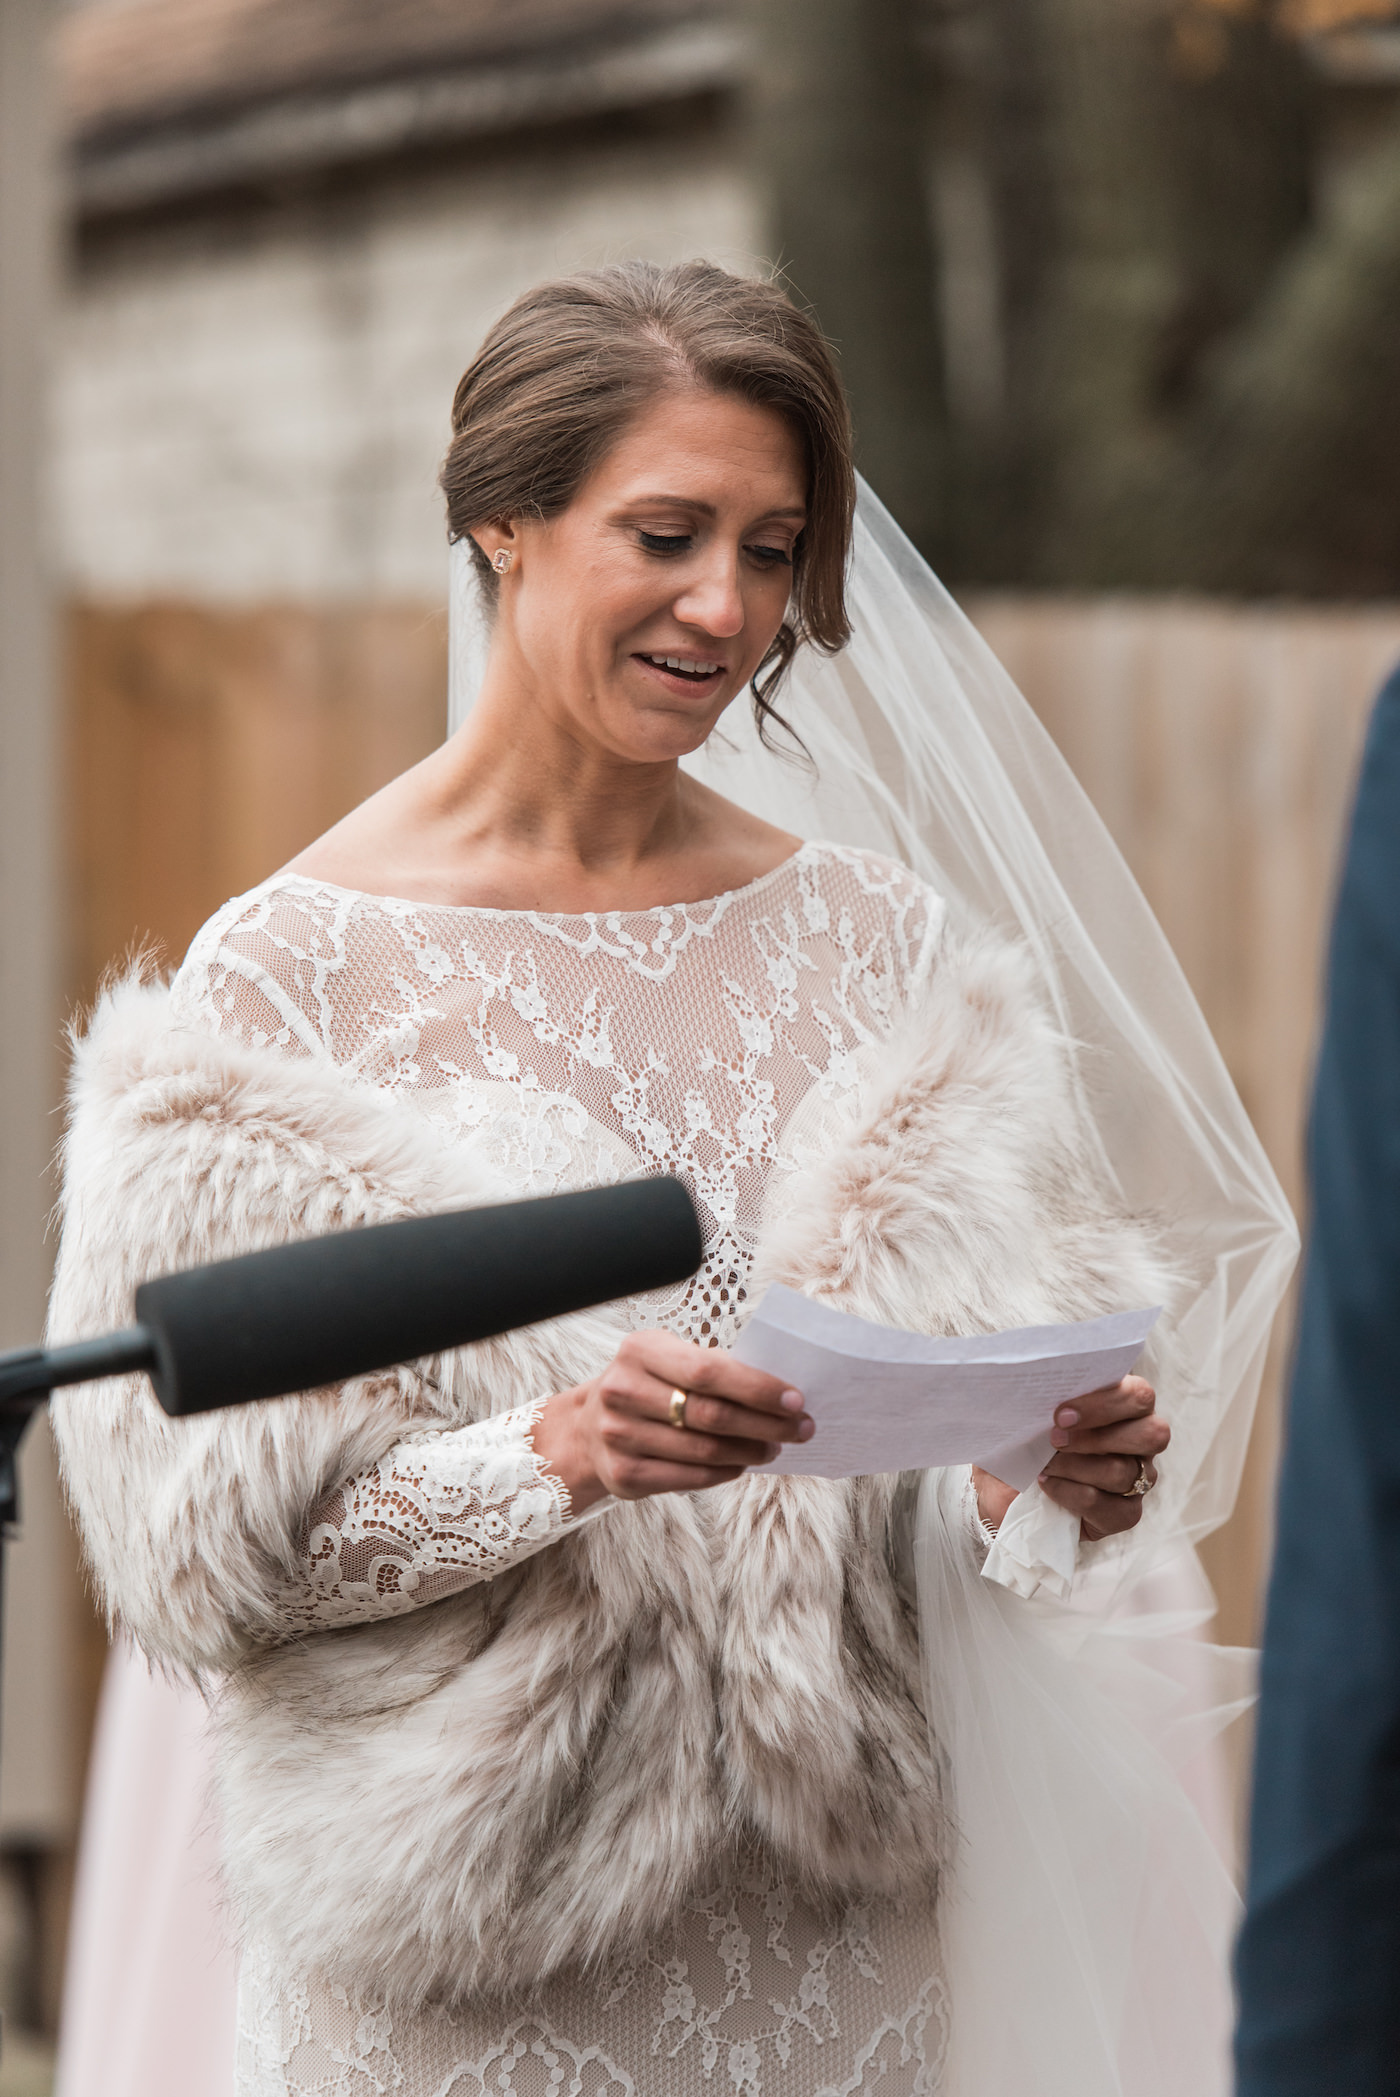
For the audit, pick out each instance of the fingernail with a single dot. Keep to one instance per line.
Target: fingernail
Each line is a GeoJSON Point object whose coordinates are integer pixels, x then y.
{"type": "Point", "coordinates": [792, 1401]}
{"type": "Point", "coordinates": [1067, 1417]}
{"type": "Point", "coordinates": [1059, 1436]}
{"type": "Point", "coordinates": [806, 1430]}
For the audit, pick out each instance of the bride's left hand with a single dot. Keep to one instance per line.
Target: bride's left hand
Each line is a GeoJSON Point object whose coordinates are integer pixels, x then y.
{"type": "Point", "coordinates": [1098, 1442]}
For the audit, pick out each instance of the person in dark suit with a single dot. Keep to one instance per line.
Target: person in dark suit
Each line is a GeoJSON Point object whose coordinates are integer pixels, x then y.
{"type": "Point", "coordinates": [1319, 1957]}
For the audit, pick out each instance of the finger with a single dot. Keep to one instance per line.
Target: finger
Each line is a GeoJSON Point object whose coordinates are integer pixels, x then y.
{"type": "Point", "coordinates": [1103, 1514]}
{"type": "Point", "coordinates": [1106, 1474]}
{"type": "Point", "coordinates": [1148, 1435]}
{"type": "Point", "coordinates": [633, 1393]}
{"type": "Point", "coordinates": [661, 1443]}
{"type": "Point", "coordinates": [1079, 1499]}
{"type": "Point", "coordinates": [719, 1375]}
{"type": "Point", "coordinates": [630, 1390]}
{"type": "Point", "coordinates": [681, 1366]}
{"type": "Point", "coordinates": [1111, 1518]}
{"type": "Point", "coordinates": [721, 1416]}
{"type": "Point", "coordinates": [1129, 1400]}
{"type": "Point", "coordinates": [637, 1478]}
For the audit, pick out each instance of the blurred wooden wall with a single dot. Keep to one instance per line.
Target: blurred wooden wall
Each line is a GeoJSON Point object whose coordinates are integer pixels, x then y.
{"type": "Point", "coordinates": [208, 746]}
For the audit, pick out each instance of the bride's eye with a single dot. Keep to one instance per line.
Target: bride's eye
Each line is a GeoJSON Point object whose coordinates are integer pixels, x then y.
{"type": "Point", "coordinates": [771, 556]}
{"type": "Point", "coordinates": [665, 542]}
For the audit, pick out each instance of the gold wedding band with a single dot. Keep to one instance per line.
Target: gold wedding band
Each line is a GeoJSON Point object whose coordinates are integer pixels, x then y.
{"type": "Point", "coordinates": [678, 1404]}
{"type": "Point", "coordinates": [1142, 1484]}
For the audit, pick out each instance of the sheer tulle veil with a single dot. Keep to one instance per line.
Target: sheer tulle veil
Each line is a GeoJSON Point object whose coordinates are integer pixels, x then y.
{"type": "Point", "coordinates": [1087, 1911]}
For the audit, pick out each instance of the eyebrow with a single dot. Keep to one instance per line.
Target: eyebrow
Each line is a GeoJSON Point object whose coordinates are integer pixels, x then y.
{"type": "Point", "coordinates": [705, 509]}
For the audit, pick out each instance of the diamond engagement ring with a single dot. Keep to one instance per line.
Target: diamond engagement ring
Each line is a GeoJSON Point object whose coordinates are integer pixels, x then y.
{"type": "Point", "coordinates": [1138, 1490]}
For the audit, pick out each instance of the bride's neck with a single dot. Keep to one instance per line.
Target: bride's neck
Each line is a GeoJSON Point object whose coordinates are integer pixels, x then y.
{"type": "Point", "coordinates": [541, 790]}
{"type": "Point", "coordinates": [518, 811]}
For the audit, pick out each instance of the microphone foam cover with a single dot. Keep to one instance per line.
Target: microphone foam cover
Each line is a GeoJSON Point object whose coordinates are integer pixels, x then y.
{"type": "Point", "coordinates": [299, 1316]}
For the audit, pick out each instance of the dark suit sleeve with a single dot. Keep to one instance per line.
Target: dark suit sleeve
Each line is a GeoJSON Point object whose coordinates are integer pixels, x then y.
{"type": "Point", "coordinates": [1319, 1958]}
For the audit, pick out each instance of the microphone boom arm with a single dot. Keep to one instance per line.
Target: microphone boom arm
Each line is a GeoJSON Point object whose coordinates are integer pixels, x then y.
{"type": "Point", "coordinates": [29, 1374]}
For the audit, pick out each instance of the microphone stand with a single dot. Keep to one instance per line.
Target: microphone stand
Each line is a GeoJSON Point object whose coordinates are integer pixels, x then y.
{"type": "Point", "coordinates": [28, 1376]}
{"type": "Point", "coordinates": [26, 1379]}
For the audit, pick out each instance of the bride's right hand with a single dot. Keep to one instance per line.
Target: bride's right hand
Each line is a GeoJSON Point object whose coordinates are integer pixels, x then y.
{"type": "Point", "coordinates": [613, 1435]}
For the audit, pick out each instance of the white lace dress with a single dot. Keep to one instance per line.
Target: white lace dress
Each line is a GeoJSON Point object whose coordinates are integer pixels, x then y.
{"type": "Point", "coordinates": [577, 1050]}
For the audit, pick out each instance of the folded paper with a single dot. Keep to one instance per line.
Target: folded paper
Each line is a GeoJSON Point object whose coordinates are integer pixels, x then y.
{"type": "Point", "coordinates": [886, 1400]}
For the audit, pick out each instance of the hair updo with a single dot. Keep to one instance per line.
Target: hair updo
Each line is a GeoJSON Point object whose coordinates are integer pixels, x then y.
{"type": "Point", "coordinates": [572, 362]}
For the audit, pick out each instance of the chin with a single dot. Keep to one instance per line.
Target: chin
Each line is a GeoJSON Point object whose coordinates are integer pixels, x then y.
{"type": "Point", "coordinates": [664, 749]}
{"type": "Point", "coordinates": [664, 733]}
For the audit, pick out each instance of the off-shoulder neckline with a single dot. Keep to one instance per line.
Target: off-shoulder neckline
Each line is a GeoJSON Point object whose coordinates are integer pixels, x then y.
{"type": "Point", "coordinates": [729, 895]}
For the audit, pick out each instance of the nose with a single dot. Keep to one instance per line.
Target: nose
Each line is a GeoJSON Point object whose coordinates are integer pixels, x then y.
{"type": "Point", "coordinates": [712, 597]}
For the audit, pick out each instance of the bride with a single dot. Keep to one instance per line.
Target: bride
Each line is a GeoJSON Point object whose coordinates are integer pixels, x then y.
{"type": "Point", "coordinates": [557, 1753]}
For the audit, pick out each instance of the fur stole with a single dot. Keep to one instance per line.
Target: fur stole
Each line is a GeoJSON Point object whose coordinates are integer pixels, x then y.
{"type": "Point", "coordinates": [536, 1773]}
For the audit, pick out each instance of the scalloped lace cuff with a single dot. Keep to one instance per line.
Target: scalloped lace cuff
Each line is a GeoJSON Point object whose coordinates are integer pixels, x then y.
{"type": "Point", "coordinates": [441, 1511]}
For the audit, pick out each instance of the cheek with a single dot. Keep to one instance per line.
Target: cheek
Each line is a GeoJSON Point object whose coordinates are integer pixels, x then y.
{"type": "Point", "coordinates": [557, 619]}
{"type": "Point", "coordinates": [765, 608]}
{"type": "Point", "coordinates": [617, 609]}
{"type": "Point", "coordinates": [601, 603]}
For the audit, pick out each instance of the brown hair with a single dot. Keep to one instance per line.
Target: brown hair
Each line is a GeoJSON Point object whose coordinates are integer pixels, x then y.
{"type": "Point", "coordinates": [573, 361]}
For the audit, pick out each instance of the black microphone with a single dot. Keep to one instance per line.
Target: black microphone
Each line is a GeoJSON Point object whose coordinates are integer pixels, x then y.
{"type": "Point", "coordinates": [299, 1316]}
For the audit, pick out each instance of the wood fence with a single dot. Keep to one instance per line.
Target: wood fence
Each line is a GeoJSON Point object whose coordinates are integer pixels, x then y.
{"type": "Point", "coordinates": [207, 746]}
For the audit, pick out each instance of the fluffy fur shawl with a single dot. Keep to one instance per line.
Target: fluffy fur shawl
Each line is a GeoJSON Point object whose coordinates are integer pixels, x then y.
{"type": "Point", "coordinates": [536, 1772]}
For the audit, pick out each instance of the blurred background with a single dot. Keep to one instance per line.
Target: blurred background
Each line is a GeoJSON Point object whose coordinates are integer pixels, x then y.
{"type": "Point", "coordinates": [1116, 285]}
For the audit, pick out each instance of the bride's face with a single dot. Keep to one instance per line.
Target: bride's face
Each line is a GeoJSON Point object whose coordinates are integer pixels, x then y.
{"type": "Point", "coordinates": [638, 613]}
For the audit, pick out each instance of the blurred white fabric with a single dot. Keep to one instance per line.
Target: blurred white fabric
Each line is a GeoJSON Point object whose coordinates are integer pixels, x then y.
{"type": "Point", "coordinates": [150, 1998]}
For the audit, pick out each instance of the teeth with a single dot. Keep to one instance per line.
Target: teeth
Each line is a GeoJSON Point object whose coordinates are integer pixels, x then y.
{"type": "Point", "coordinates": [686, 664]}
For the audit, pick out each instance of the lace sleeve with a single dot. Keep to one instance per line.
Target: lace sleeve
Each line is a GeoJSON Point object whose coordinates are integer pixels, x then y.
{"type": "Point", "coordinates": [441, 1511]}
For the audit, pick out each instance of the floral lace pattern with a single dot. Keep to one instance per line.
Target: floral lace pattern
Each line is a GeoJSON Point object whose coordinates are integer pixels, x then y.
{"type": "Point", "coordinates": [449, 1507]}
{"type": "Point", "coordinates": [697, 1040]}
{"type": "Point", "coordinates": [574, 1050]}
{"type": "Point", "coordinates": [752, 1995]}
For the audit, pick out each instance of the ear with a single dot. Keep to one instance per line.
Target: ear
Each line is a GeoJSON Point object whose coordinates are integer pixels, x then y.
{"type": "Point", "coordinates": [499, 536]}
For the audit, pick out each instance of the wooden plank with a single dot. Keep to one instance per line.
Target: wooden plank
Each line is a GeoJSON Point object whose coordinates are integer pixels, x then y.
{"type": "Point", "coordinates": [207, 747]}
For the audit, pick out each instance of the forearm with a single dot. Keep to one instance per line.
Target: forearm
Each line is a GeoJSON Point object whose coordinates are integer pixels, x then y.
{"type": "Point", "coordinates": [438, 1513]}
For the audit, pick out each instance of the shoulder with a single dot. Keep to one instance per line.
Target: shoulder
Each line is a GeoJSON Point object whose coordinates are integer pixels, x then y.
{"type": "Point", "coordinates": [163, 1114]}
{"type": "Point", "coordinates": [879, 898]}
{"type": "Point", "coordinates": [287, 907]}
{"type": "Point", "coordinates": [869, 873]}
{"type": "Point", "coordinates": [264, 966]}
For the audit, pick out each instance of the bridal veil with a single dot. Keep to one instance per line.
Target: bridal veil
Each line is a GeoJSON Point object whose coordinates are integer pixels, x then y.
{"type": "Point", "coordinates": [1088, 1911]}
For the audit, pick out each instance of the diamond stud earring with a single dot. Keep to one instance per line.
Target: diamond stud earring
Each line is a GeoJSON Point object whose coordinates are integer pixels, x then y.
{"type": "Point", "coordinates": [503, 561]}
